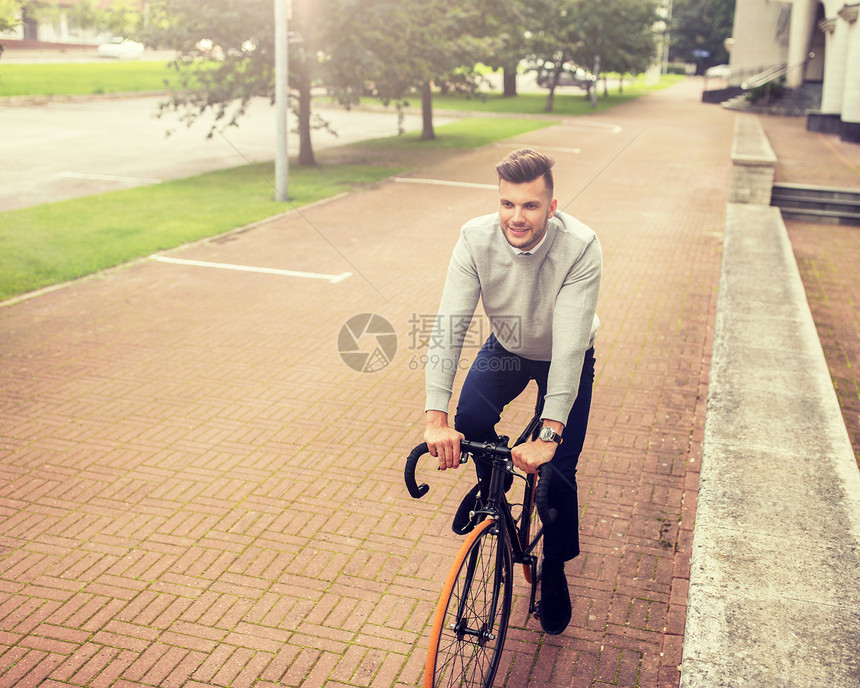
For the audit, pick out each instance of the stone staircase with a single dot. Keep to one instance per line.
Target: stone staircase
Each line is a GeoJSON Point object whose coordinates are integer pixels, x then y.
{"type": "Point", "coordinates": [817, 203]}
{"type": "Point", "coordinates": [792, 103]}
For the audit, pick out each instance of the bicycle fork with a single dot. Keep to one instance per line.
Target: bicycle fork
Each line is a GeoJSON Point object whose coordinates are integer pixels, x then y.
{"type": "Point", "coordinates": [461, 626]}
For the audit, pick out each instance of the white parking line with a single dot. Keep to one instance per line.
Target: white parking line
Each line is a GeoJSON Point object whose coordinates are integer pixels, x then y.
{"type": "Point", "coordinates": [108, 178]}
{"type": "Point", "coordinates": [442, 182]}
{"type": "Point", "coordinates": [334, 279]}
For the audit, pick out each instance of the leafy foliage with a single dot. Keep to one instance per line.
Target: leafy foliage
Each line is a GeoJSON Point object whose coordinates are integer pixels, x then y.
{"type": "Point", "coordinates": [614, 35]}
{"type": "Point", "coordinates": [227, 54]}
{"type": "Point", "coordinates": [701, 25]}
{"type": "Point", "coordinates": [389, 49]}
{"type": "Point", "coordinates": [10, 14]}
{"type": "Point", "coordinates": [509, 25]}
{"type": "Point", "coordinates": [120, 17]}
{"type": "Point", "coordinates": [396, 47]}
{"type": "Point", "coordinates": [123, 18]}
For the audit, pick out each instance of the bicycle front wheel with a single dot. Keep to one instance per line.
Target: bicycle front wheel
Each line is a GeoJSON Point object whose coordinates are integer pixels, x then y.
{"type": "Point", "coordinates": [471, 619]}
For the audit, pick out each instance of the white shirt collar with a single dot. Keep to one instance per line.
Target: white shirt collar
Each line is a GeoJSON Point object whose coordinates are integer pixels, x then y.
{"type": "Point", "coordinates": [533, 249]}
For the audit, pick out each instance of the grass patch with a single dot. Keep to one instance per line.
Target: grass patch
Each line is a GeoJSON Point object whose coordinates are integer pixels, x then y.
{"type": "Point", "coordinates": [83, 78]}
{"type": "Point", "coordinates": [568, 102]}
{"type": "Point", "coordinates": [57, 242]}
{"type": "Point", "coordinates": [466, 133]}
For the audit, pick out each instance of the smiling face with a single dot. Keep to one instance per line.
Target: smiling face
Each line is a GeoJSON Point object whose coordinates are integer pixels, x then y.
{"type": "Point", "coordinates": [524, 210]}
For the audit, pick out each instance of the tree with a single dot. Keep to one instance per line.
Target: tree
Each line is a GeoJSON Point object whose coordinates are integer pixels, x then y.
{"type": "Point", "coordinates": [226, 58]}
{"type": "Point", "coordinates": [10, 14]}
{"type": "Point", "coordinates": [592, 34]}
{"type": "Point", "coordinates": [123, 18]}
{"type": "Point", "coordinates": [701, 25]}
{"type": "Point", "coordinates": [630, 42]}
{"type": "Point", "coordinates": [86, 15]}
{"type": "Point", "coordinates": [556, 37]}
{"type": "Point", "coordinates": [395, 48]}
{"type": "Point", "coordinates": [365, 62]}
{"type": "Point", "coordinates": [509, 25]}
{"type": "Point", "coordinates": [620, 36]}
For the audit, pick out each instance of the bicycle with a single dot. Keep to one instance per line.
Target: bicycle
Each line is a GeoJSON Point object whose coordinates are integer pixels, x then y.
{"type": "Point", "coordinates": [471, 619]}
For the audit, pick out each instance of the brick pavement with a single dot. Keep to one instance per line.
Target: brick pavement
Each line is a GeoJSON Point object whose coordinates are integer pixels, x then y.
{"type": "Point", "coordinates": [827, 254]}
{"type": "Point", "coordinates": [197, 491]}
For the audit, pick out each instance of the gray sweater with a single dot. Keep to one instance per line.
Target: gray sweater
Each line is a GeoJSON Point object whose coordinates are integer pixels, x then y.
{"type": "Point", "coordinates": [541, 306]}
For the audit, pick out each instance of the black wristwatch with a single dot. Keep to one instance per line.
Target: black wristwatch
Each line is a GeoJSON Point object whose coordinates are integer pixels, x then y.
{"type": "Point", "coordinates": [549, 435]}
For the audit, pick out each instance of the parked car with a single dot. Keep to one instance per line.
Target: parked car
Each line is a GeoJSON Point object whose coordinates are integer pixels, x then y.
{"type": "Point", "coordinates": [569, 76]}
{"type": "Point", "coordinates": [121, 49]}
{"type": "Point", "coordinates": [721, 71]}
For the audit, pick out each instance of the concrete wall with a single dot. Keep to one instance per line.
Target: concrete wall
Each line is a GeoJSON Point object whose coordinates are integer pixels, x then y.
{"type": "Point", "coordinates": [774, 597]}
{"type": "Point", "coordinates": [753, 163]}
{"type": "Point", "coordinates": [760, 38]}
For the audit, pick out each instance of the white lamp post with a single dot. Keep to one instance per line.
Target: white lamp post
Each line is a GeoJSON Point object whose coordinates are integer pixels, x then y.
{"type": "Point", "coordinates": [282, 17]}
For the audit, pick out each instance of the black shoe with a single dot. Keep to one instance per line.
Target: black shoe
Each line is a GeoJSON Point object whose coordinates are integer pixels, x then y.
{"type": "Point", "coordinates": [555, 599]}
{"type": "Point", "coordinates": [464, 521]}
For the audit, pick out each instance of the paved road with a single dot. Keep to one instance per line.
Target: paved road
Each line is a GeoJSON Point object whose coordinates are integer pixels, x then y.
{"type": "Point", "coordinates": [196, 490]}
{"type": "Point", "coordinates": [61, 150]}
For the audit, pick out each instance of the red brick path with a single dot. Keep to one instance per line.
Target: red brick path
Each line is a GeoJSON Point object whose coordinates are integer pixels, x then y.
{"type": "Point", "coordinates": [197, 491]}
{"type": "Point", "coordinates": [827, 255]}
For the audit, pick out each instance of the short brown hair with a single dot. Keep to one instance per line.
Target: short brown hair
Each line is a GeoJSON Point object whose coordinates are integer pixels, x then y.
{"type": "Point", "coordinates": [526, 165]}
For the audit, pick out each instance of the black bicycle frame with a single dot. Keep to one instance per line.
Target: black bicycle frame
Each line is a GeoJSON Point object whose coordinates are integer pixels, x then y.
{"type": "Point", "coordinates": [499, 456]}
{"type": "Point", "coordinates": [514, 539]}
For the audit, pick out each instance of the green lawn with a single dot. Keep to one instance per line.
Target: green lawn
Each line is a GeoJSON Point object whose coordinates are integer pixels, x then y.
{"type": "Point", "coordinates": [465, 133]}
{"type": "Point", "coordinates": [568, 102]}
{"type": "Point", "coordinates": [82, 78]}
{"type": "Point", "coordinates": [128, 77]}
{"type": "Point", "coordinates": [56, 242]}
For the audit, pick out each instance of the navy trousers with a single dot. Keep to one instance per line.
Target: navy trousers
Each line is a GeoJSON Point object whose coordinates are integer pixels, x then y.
{"type": "Point", "coordinates": [497, 377]}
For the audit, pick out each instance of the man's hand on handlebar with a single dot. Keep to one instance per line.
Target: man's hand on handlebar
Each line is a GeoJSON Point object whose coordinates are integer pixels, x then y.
{"type": "Point", "coordinates": [443, 441]}
{"type": "Point", "coordinates": [530, 456]}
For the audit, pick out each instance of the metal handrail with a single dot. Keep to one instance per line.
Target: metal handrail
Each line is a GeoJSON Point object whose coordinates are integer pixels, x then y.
{"type": "Point", "coordinates": [764, 77]}
{"type": "Point", "coordinates": [773, 73]}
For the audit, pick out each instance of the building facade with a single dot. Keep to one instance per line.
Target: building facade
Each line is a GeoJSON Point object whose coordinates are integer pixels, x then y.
{"type": "Point", "coordinates": [814, 41]}
{"type": "Point", "coordinates": [55, 23]}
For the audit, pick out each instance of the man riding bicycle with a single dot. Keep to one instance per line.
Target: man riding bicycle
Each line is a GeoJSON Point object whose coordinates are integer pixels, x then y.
{"type": "Point", "coordinates": [537, 271]}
